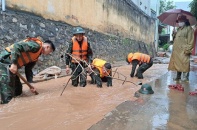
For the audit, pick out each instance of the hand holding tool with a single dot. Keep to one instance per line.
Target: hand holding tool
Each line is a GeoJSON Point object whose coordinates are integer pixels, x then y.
{"type": "Point", "coordinates": [28, 84]}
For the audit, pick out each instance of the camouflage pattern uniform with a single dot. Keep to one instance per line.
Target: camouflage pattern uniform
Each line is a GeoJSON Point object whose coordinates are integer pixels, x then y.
{"type": "Point", "coordinates": [77, 70]}
{"type": "Point", "coordinates": [10, 84]}
{"type": "Point", "coordinates": [141, 69]}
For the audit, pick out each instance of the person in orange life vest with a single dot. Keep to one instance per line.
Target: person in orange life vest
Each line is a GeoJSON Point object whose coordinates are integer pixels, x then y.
{"type": "Point", "coordinates": [102, 72]}
{"type": "Point", "coordinates": [81, 51]}
{"type": "Point", "coordinates": [143, 60]}
{"type": "Point", "coordinates": [22, 53]}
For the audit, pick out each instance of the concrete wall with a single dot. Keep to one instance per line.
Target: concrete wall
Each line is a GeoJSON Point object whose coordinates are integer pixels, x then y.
{"type": "Point", "coordinates": [15, 26]}
{"type": "Point", "coordinates": [118, 17]}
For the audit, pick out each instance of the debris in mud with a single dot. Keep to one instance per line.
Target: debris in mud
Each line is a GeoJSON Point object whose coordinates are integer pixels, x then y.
{"type": "Point", "coordinates": [50, 73]}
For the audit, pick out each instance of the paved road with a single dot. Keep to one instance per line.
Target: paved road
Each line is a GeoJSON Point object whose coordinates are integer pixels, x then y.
{"type": "Point", "coordinates": [166, 109]}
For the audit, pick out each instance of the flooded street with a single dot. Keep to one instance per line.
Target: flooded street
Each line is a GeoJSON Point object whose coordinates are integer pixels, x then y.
{"type": "Point", "coordinates": [77, 109]}
{"type": "Point", "coordinates": [47, 38]}
{"type": "Point", "coordinates": [166, 109]}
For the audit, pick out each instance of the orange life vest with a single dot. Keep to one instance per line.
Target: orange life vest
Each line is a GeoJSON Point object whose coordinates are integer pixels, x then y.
{"type": "Point", "coordinates": [129, 57]}
{"type": "Point", "coordinates": [79, 53]}
{"type": "Point", "coordinates": [27, 57]}
{"type": "Point", "coordinates": [143, 58]}
{"type": "Point", "coordinates": [99, 64]}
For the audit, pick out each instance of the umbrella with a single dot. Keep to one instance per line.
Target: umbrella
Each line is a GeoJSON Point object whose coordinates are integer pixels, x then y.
{"type": "Point", "coordinates": [169, 17]}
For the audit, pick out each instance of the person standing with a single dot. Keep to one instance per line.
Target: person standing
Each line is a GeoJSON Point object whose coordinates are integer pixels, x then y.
{"type": "Point", "coordinates": [102, 72]}
{"type": "Point", "coordinates": [79, 50]}
{"type": "Point", "coordinates": [182, 49]}
{"type": "Point", "coordinates": [143, 60]}
{"type": "Point", "coordinates": [23, 53]}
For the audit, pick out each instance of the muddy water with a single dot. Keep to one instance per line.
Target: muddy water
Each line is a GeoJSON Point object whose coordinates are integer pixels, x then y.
{"type": "Point", "coordinates": [77, 109]}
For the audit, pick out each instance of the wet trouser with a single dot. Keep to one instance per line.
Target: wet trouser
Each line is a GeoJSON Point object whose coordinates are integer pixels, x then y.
{"type": "Point", "coordinates": [29, 72]}
{"type": "Point", "coordinates": [78, 74]}
{"type": "Point", "coordinates": [142, 68]}
{"type": "Point", "coordinates": [10, 84]}
{"type": "Point", "coordinates": [178, 75]}
{"type": "Point", "coordinates": [96, 79]}
{"type": "Point", "coordinates": [185, 76]}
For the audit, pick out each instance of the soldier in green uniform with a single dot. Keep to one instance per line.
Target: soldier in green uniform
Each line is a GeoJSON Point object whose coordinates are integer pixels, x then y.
{"type": "Point", "coordinates": [23, 53]}
{"type": "Point", "coordinates": [81, 51]}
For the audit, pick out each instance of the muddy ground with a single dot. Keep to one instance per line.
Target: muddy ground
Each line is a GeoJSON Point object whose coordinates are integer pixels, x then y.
{"type": "Point", "coordinates": [77, 109]}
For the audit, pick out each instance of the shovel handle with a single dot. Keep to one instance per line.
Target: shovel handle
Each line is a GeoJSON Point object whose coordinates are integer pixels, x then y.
{"type": "Point", "coordinates": [28, 84]}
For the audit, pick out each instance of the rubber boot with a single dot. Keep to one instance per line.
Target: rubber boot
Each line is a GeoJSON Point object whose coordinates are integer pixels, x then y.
{"type": "Point", "coordinates": [83, 78]}
{"type": "Point", "coordinates": [185, 77]}
{"type": "Point", "coordinates": [178, 76]}
{"type": "Point", "coordinates": [98, 81]}
{"type": "Point", "coordinates": [92, 78]}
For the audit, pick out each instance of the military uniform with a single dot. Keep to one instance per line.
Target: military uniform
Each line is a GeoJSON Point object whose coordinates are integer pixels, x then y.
{"type": "Point", "coordinates": [10, 83]}
{"type": "Point", "coordinates": [76, 69]}
{"type": "Point", "coordinates": [143, 60]}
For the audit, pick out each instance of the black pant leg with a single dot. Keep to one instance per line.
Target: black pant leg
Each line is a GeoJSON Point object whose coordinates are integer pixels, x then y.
{"type": "Point", "coordinates": [75, 75]}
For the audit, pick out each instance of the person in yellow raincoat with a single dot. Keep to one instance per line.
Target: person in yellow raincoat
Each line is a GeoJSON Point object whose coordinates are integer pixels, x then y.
{"type": "Point", "coordinates": [182, 48]}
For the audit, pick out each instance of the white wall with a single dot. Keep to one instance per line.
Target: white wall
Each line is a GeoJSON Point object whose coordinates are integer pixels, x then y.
{"type": "Point", "coordinates": [144, 5]}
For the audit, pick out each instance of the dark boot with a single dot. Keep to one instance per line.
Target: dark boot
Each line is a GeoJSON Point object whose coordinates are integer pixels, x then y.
{"type": "Point", "coordinates": [83, 78]}
{"type": "Point", "coordinates": [98, 81]}
{"type": "Point", "coordinates": [139, 75]}
{"type": "Point", "coordinates": [74, 83]}
{"type": "Point", "coordinates": [185, 77]}
{"type": "Point", "coordinates": [178, 76]}
{"type": "Point", "coordinates": [75, 80]}
{"type": "Point", "coordinates": [74, 77]}
{"type": "Point", "coordinates": [92, 78]}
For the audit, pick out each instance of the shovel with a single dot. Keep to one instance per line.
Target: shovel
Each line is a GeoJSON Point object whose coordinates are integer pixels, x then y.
{"type": "Point", "coordinates": [28, 84]}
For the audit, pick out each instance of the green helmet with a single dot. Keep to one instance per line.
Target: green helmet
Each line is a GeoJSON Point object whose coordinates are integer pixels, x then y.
{"type": "Point", "coordinates": [78, 30]}
{"type": "Point", "coordinates": [146, 89]}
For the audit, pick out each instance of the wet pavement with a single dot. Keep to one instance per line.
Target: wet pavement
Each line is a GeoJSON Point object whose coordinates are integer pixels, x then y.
{"type": "Point", "coordinates": [107, 108]}
{"type": "Point", "coordinates": [166, 109]}
{"type": "Point", "coordinates": [77, 109]}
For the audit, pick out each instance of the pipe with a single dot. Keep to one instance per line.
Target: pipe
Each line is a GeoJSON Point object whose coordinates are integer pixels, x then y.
{"type": "Point", "coordinates": [3, 5]}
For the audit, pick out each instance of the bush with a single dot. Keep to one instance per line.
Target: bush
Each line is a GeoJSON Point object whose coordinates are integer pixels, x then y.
{"type": "Point", "coordinates": [165, 46]}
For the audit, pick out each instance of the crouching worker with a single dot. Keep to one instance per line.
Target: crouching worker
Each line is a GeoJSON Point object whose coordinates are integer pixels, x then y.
{"type": "Point", "coordinates": [102, 73]}
{"type": "Point", "coordinates": [143, 60]}
{"type": "Point", "coordinates": [23, 53]}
